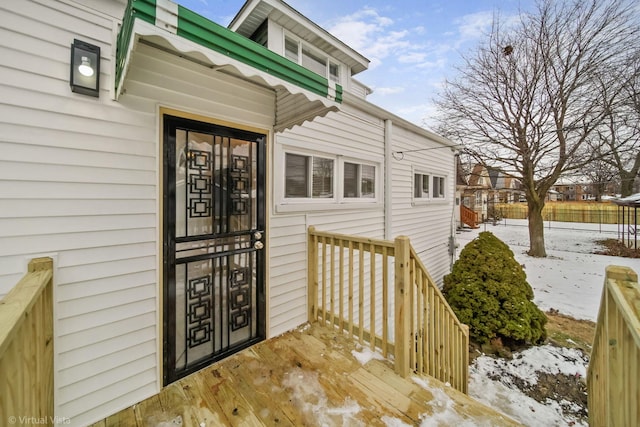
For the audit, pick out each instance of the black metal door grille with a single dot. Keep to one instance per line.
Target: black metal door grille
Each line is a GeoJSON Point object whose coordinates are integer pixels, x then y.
{"type": "Point", "coordinates": [213, 236]}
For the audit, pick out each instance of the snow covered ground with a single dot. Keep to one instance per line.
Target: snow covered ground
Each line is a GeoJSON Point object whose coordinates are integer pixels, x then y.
{"type": "Point", "coordinates": [569, 280]}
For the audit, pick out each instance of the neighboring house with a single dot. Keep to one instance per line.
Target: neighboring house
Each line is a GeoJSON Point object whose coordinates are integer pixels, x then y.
{"type": "Point", "coordinates": [553, 196]}
{"type": "Point", "coordinates": [509, 190]}
{"type": "Point", "coordinates": [479, 193]}
{"type": "Point", "coordinates": [176, 201]}
{"type": "Point", "coordinates": [569, 191]}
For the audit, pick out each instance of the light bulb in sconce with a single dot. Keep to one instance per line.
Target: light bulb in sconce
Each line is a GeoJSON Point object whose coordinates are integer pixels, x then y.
{"type": "Point", "coordinates": [85, 67]}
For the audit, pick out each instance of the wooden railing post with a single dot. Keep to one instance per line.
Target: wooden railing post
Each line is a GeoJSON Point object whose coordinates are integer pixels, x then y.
{"type": "Point", "coordinates": [464, 380]}
{"type": "Point", "coordinates": [402, 306]}
{"type": "Point", "coordinates": [26, 345]}
{"type": "Point", "coordinates": [312, 279]}
{"type": "Point", "coordinates": [615, 357]}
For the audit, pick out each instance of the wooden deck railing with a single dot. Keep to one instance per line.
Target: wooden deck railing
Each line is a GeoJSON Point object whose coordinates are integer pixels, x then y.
{"type": "Point", "coordinates": [468, 216]}
{"type": "Point", "coordinates": [26, 347]}
{"type": "Point", "coordinates": [380, 292]}
{"type": "Point", "coordinates": [613, 379]}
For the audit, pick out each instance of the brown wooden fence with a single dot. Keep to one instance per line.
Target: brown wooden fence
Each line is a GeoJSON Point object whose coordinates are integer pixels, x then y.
{"type": "Point", "coordinates": [380, 292]}
{"type": "Point", "coordinates": [613, 378]}
{"type": "Point", "coordinates": [26, 348]}
{"type": "Point", "coordinates": [588, 212]}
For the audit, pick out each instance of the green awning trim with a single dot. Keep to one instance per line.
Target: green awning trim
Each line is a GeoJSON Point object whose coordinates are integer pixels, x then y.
{"type": "Point", "coordinates": [142, 9]}
{"type": "Point", "coordinates": [210, 35]}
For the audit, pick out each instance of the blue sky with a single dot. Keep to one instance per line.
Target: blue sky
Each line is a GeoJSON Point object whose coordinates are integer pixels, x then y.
{"type": "Point", "coordinates": [413, 45]}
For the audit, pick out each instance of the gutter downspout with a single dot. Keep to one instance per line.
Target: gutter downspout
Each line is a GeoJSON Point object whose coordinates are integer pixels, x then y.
{"type": "Point", "coordinates": [453, 242]}
{"type": "Point", "coordinates": [388, 232]}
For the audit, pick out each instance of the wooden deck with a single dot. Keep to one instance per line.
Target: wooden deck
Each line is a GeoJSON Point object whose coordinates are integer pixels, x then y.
{"type": "Point", "coordinates": [307, 377]}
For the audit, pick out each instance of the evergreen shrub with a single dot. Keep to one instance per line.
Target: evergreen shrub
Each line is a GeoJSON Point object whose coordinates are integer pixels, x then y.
{"type": "Point", "coordinates": [488, 290]}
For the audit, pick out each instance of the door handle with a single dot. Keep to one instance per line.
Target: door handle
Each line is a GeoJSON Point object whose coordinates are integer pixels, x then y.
{"type": "Point", "coordinates": [258, 245]}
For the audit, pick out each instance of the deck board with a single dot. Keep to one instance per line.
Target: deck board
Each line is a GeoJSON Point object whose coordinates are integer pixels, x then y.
{"type": "Point", "coordinates": [307, 377]}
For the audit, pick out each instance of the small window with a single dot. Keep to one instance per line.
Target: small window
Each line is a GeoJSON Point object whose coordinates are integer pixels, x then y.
{"type": "Point", "coordinates": [308, 176]}
{"type": "Point", "coordinates": [334, 72]}
{"type": "Point", "coordinates": [296, 179]}
{"type": "Point", "coordinates": [311, 58]}
{"type": "Point", "coordinates": [322, 178]}
{"type": "Point", "coordinates": [438, 187]}
{"type": "Point", "coordinates": [359, 180]}
{"type": "Point", "coordinates": [314, 62]}
{"type": "Point", "coordinates": [421, 186]}
{"type": "Point", "coordinates": [291, 49]}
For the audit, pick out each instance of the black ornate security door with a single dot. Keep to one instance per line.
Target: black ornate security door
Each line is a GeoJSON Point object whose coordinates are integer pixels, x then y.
{"type": "Point", "coordinates": [213, 243]}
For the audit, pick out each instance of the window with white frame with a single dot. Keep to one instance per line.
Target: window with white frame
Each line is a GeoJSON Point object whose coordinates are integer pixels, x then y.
{"type": "Point", "coordinates": [438, 187]}
{"type": "Point", "coordinates": [421, 186]}
{"type": "Point", "coordinates": [334, 72]}
{"type": "Point", "coordinates": [320, 180]}
{"type": "Point", "coordinates": [311, 59]}
{"type": "Point", "coordinates": [428, 186]}
{"type": "Point", "coordinates": [308, 177]}
{"type": "Point", "coordinates": [359, 180]}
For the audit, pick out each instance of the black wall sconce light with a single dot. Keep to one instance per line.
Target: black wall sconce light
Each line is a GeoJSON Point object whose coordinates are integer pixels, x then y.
{"type": "Point", "coordinates": [85, 68]}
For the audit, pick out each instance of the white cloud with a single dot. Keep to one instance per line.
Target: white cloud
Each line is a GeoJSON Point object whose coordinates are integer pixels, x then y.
{"type": "Point", "coordinates": [412, 57]}
{"type": "Point", "coordinates": [371, 34]}
{"type": "Point", "coordinates": [439, 63]}
{"type": "Point", "coordinates": [388, 90]}
{"type": "Point", "coordinates": [474, 25]}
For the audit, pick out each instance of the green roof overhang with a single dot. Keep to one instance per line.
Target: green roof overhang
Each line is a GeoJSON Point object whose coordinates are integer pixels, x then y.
{"type": "Point", "coordinates": [179, 26]}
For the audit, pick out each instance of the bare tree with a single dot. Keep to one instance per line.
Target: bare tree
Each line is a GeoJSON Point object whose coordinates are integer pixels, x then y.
{"type": "Point", "coordinates": [618, 137]}
{"type": "Point", "coordinates": [524, 100]}
{"type": "Point", "coordinates": [601, 174]}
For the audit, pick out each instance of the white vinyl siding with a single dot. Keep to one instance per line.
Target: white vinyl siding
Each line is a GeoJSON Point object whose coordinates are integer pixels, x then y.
{"type": "Point", "coordinates": [288, 231]}
{"type": "Point", "coordinates": [79, 181]}
{"type": "Point", "coordinates": [428, 222]}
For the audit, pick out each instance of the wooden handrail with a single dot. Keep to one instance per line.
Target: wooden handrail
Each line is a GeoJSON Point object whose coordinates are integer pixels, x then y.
{"type": "Point", "coordinates": [614, 366]}
{"type": "Point", "coordinates": [442, 341]}
{"type": "Point", "coordinates": [350, 277]}
{"type": "Point", "coordinates": [26, 345]}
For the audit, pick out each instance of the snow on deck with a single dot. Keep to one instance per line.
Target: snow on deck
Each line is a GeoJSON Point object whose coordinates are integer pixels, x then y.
{"type": "Point", "coordinates": [312, 377]}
